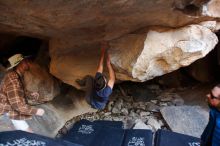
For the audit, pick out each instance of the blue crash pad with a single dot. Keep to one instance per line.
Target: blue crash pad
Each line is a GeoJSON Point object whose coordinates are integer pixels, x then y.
{"type": "Point", "coordinates": [138, 137]}
{"type": "Point", "coordinates": [21, 138]}
{"type": "Point", "coordinates": [95, 134]}
{"type": "Point", "coordinates": [168, 138]}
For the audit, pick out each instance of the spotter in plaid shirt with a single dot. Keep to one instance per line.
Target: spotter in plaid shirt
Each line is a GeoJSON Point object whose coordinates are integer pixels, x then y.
{"type": "Point", "coordinates": [12, 100]}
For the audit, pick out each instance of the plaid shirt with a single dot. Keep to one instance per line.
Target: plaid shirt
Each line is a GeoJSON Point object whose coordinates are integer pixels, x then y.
{"type": "Point", "coordinates": [12, 100]}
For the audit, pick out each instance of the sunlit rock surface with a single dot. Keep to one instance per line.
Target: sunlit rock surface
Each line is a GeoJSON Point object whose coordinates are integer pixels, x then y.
{"type": "Point", "coordinates": [212, 8]}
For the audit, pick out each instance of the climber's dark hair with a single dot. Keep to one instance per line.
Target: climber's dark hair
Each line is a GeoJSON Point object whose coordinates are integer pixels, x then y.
{"type": "Point", "coordinates": [100, 83]}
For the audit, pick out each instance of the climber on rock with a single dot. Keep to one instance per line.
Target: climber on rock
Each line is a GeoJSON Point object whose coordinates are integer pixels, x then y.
{"type": "Point", "coordinates": [13, 95]}
{"type": "Point", "coordinates": [98, 89]}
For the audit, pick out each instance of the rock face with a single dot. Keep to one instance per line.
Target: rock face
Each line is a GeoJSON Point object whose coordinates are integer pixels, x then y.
{"type": "Point", "coordinates": [150, 55]}
{"type": "Point", "coordinates": [139, 51]}
{"type": "Point", "coordinates": [37, 79]}
{"type": "Point", "coordinates": [164, 52]}
{"type": "Point", "coordinates": [90, 20]}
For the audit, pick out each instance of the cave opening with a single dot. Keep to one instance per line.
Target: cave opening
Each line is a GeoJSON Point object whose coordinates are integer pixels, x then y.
{"type": "Point", "coordinates": [14, 44]}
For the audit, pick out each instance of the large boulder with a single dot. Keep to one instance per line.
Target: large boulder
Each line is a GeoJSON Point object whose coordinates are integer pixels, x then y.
{"type": "Point", "coordinates": [150, 54]}
{"type": "Point", "coordinates": [38, 79]}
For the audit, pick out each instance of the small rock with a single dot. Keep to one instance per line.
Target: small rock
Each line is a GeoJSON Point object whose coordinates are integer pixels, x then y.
{"type": "Point", "coordinates": [63, 131]}
{"type": "Point", "coordinates": [115, 110]}
{"type": "Point", "coordinates": [108, 118]}
{"type": "Point", "coordinates": [144, 114]}
{"type": "Point", "coordinates": [178, 101]}
{"type": "Point", "coordinates": [129, 123]}
{"type": "Point", "coordinates": [116, 119]}
{"type": "Point", "coordinates": [146, 103]}
{"type": "Point", "coordinates": [152, 107]}
{"type": "Point", "coordinates": [96, 117]}
{"type": "Point", "coordinates": [154, 123]}
{"type": "Point", "coordinates": [139, 124]}
{"type": "Point", "coordinates": [118, 104]}
{"type": "Point", "coordinates": [124, 111]}
{"type": "Point", "coordinates": [154, 101]}
{"type": "Point", "coordinates": [110, 104]}
{"type": "Point", "coordinates": [138, 111]}
{"type": "Point", "coordinates": [141, 105]}
{"type": "Point", "coordinates": [163, 104]}
{"type": "Point", "coordinates": [127, 105]}
{"type": "Point", "coordinates": [107, 114]}
{"type": "Point", "coordinates": [133, 115]}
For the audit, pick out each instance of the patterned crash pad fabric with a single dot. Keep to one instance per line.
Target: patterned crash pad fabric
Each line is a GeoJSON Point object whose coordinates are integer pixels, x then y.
{"type": "Point", "coordinates": [95, 134]}
{"type": "Point", "coordinates": [138, 137]}
{"type": "Point", "coordinates": [168, 138]}
{"type": "Point", "coordinates": [21, 138]}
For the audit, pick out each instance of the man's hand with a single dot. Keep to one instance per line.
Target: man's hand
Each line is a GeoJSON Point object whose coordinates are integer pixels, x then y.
{"type": "Point", "coordinates": [213, 102]}
{"type": "Point", "coordinates": [40, 112]}
{"type": "Point", "coordinates": [35, 95]}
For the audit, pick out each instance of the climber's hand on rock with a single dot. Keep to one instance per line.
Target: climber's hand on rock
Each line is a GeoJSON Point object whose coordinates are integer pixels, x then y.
{"type": "Point", "coordinates": [35, 95]}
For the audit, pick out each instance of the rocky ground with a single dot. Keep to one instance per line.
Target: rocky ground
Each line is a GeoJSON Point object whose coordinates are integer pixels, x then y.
{"type": "Point", "coordinates": [137, 113]}
{"type": "Point", "coordinates": [139, 105]}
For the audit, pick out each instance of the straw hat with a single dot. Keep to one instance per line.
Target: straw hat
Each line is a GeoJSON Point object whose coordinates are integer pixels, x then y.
{"type": "Point", "coordinates": [15, 60]}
